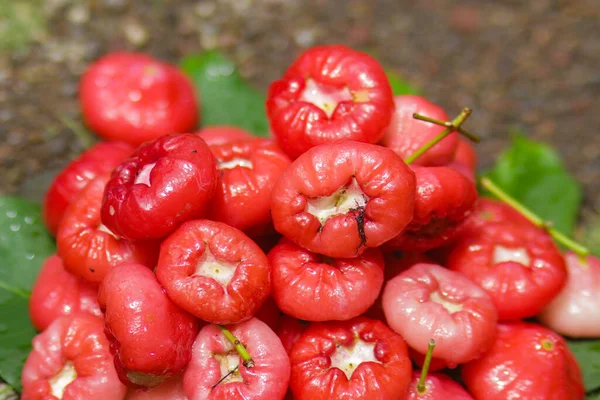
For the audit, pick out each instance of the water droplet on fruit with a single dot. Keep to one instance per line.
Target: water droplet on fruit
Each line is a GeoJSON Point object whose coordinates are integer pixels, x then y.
{"type": "Point", "coordinates": [11, 214]}
{"type": "Point", "coordinates": [29, 220]}
{"type": "Point", "coordinates": [15, 227]}
{"type": "Point", "coordinates": [30, 256]}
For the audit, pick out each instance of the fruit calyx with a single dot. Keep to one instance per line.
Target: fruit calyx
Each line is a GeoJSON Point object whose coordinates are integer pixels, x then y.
{"type": "Point", "coordinates": [348, 358]}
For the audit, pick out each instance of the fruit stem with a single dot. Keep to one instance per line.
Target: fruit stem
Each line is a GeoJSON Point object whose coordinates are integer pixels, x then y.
{"type": "Point", "coordinates": [450, 127]}
{"type": "Point", "coordinates": [534, 218]}
{"type": "Point", "coordinates": [447, 124]}
{"type": "Point", "coordinates": [421, 385]}
{"type": "Point", "coordinates": [239, 347]}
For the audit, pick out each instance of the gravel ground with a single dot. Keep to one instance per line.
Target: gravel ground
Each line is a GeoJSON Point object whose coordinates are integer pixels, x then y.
{"type": "Point", "coordinates": [526, 65]}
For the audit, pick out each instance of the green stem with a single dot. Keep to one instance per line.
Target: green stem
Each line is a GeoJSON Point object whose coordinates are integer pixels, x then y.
{"type": "Point", "coordinates": [239, 347]}
{"type": "Point", "coordinates": [534, 218]}
{"type": "Point", "coordinates": [447, 124]}
{"type": "Point", "coordinates": [454, 126]}
{"type": "Point", "coordinates": [421, 385]}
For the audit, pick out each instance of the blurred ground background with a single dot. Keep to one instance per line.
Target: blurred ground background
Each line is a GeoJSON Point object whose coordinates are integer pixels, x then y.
{"type": "Point", "coordinates": [531, 65]}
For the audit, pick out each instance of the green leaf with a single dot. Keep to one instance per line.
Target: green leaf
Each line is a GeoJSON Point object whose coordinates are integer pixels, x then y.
{"type": "Point", "coordinates": [533, 174]}
{"type": "Point", "coordinates": [24, 244]}
{"type": "Point", "coordinates": [225, 98]}
{"type": "Point", "coordinates": [587, 353]}
{"type": "Point", "coordinates": [399, 85]}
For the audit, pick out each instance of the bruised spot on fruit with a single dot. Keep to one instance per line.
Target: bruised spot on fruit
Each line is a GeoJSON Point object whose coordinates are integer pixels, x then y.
{"type": "Point", "coordinates": [360, 96]}
{"type": "Point", "coordinates": [60, 381]}
{"type": "Point", "coordinates": [486, 215]}
{"type": "Point", "coordinates": [326, 97]}
{"type": "Point", "coordinates": [348, 358]}
{"type": "Point", "coordinates": [547, 344]}
{"type": "Point", "coordinates": [236, 162]}
{"type": "Point", "coordinates": [229, 365]}
{"type": "Point", "coordinates": [143, 175]}
{"type": "Point", "coordinates": [360, 224]}
{"type": "Point", "coordinates": [511, 254]}
{"type": "Point", "coordinates": [452, 307]}
{"type": "Point", "coordinates": [146, 380]}
{"type": "Point", "coordinates": [211, 267]}
{"type": "Point", "coordinates": [346, 199]}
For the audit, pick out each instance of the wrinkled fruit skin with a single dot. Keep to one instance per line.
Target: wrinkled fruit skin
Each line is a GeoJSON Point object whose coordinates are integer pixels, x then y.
{"type": "Point", "coordinates": [405, 134]}
{"type": "Point", "coordinates": [329, 94]}
{"type": "Point", "coordinates": [247, 171]}
{"type": "Point", "coordinates": [214, 355]}
{"type": "Point", "coordinates": [135, 98]}
{"type": "Point", "coordinates": [443, 201]}
{"type": "Point", "coordinates": [385, 376]}
{"type": "Point", "coordinates": [575, 312]}
{"type": "Point", "coordinates": [527, 361]}
{"type": "Point", "coordinates": [164, 183]}
{"type": "Point", "coordinates": [151, 338]}
{"type": "Point", "coordinates": [310, 288]}
{"type": "Point", "coordinates": [100, 159]}
{"type": "Point", "coordinates": [367, 190]}
{"type": "Point", "coordinates": [428, 301]}
{"type": "Point", "coordinates": [56, 292]}
{"type": "Point", "coordinates": [75, 350]}
{"type": "Point", "coordinates": [214, 271]}
{"type": "Point", "coordinates": [89, 250]}
{"type": "Point", "coordinates": [222, 134]}
{"type": "Point", "coordinates": [521, 268]}
{"type": "Point", "coordinates": [437, 387]}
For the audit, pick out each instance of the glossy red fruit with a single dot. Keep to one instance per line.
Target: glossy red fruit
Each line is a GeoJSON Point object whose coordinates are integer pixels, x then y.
{"type": "Point", "coordinates": [222, 134]}
{"type": "Point", "coordinates": [311, 287]}
{"type": "Point", "coordinates": [443, 201]}
{"type": "Point", "coordinates": [437, 387]}
{"type": "Point", "coordinates": [428, 301]}
{"type": "Point", "coordinates": [405, 134]}
{"type": "Point", "coordinates": [465, 159]}
{"type": "Point", "coordinates": [164, 183]}
{"type": "Point", "coordinates": [489, 211]}
{"type": "Point", "coordinates": [395, 262]}
{"type": "Point", "coordinates": [339, 199]}
{"type": "Point", "coordinates": [575, 312]}
{"type": "Point", "coordinates": [214, 356]}
{"type": "Point", "coordinates": [359, 358]}
{"type": "Point", "coordinates": [151, 338]}
{"type": "Point", "coordinates": [527, 361]}
{"type": "Point", "coordinates": [89, 249]}
{"type": "Point", "coordinates": [247, 171]}
{"type": "Point", "coordinates": [135, 98]}
{"type": "Point", "coordinates": [98, 160]}
{"type": "Point", "coordinates": [71, 360]}
{"type": "Point", "coordinates": [171, 389]}
{"type": "Point", "coordinates": [289, 331]}
{"type": "Point", "coordinates": [330, 93]}
{"type": "Point", "coordinates": [520, 268]}
{"type": "Point", "coordinates": [214, 271]}
{"type": "Point", "coordinates": [57, 292]}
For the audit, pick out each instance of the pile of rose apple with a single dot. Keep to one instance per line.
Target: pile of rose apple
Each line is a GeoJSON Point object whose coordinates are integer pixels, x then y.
{"type": "Point", "coordinates": [319, 264]}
